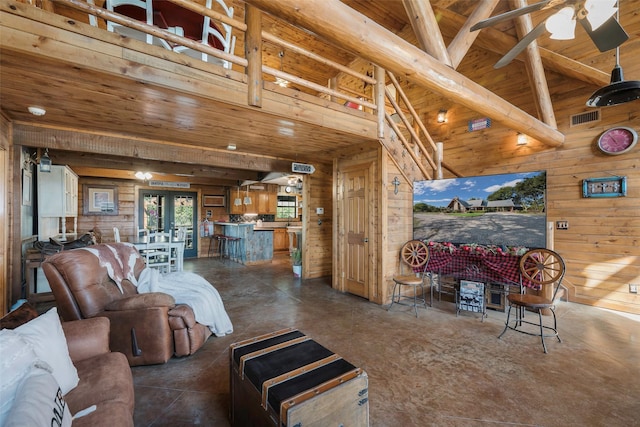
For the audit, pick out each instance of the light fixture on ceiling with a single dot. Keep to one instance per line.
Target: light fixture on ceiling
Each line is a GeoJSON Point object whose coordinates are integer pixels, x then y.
{"type": "Point", "coordinates": [231, 147]}
{"type": "Point", "coordinates": [522, 139]}
{"type": "Point", "coordinates": [617, 91]}
{"type": "Point", "coordinates": [442, 116]}
{"type": "Point", "coordinates": [37, 111]}
{"type": "Point", "coordinates": [280, 81]}
{"type": "Point", "coordinates": [45, 161]}
{"type": "Point", "coordinates": [145, 176]}
{"type": "Point", "coordinates": [562, 24]}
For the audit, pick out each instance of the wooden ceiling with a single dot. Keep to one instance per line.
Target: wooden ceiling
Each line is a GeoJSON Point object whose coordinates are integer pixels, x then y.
{"type": "Point", "coordinates": [95, 102]}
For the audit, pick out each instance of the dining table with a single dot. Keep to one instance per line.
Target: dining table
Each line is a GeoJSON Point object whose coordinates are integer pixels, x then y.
{"type": "Point", "coordinates": [176, 246]}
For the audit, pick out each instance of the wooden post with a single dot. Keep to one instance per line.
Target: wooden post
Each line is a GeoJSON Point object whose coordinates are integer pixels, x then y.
{"type": "Point", "coordinates": [535, 70]}
{"type": "Point", "coordinates": [439, 157]}
{"type": "Point", "coordinates": [425, 26]}
{"type": "Point", "coordinates": [253, 54]}
{"type": "Point", "coordinates": [379, 75]}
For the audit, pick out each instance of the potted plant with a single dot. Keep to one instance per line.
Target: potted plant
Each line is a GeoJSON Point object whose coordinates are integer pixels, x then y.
{"type": "Point", "coordinates": [296, 261]}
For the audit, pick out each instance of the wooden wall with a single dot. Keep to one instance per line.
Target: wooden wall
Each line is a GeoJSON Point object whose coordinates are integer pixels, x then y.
{"type": "Point", "coordinates": [317, 231]}
{"type": "Point", "coordinates": [127, 218]}
{"type": "Point", "coordinates": [5, 138]}
{"type": "Point", "coordinates": [601, 248]}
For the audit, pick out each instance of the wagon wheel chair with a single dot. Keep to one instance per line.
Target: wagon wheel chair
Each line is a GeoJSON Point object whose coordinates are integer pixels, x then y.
{"type": "Point", "coordinates": [544, 268]}
{"type": "Point", "coordinates": [413, 255]}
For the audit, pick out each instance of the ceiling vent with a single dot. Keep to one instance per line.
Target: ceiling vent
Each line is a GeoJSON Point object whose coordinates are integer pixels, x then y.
{"type": "Point", "coordinates": [588, 117]}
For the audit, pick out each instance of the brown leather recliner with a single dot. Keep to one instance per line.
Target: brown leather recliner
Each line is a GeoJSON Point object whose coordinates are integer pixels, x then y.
{"type": "Point", "coordinates": [148, 328]}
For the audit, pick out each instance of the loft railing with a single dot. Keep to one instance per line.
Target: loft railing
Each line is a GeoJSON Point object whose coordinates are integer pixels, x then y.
{"type": "Point", "coordinates": [343, 88]}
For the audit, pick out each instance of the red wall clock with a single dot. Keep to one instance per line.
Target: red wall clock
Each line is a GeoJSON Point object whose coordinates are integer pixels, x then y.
{"type": "Point", "coordinates": [617, 140]}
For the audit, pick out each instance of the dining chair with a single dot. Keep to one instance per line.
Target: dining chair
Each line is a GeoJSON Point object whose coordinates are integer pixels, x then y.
{"type": "Point", "coordinates": [544, 268]}
{"type": "Point", "coordinates": [158, 255]}
{"type": "Point", "coordinates": [141, 10]}
{"type": "Point", "coordinates": [414, 256]}
{"type": "Point", "coordinates": [116, 234]}
{"type": "Point", "coordinates": [210, 30]}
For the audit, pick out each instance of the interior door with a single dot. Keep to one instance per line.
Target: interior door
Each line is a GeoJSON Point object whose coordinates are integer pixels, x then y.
{"type": "Point", "coordinates": [168, 211]}
{"type": "Point", "coordinates": [356, 212]}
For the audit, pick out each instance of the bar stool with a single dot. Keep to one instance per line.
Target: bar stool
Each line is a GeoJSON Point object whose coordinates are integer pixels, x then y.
{"type": "Point", "coordinates": [233, 244]}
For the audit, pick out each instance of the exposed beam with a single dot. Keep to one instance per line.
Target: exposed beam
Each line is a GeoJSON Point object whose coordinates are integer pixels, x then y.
{"type": "Point", "coordinates": [148, 150]}
{"type": "Point", "coordinates": [535, 70]}
{"type": "Point", "coordinates": [461, 43]}
{"type": "Point", "coordinates": [498, 42]}
{"type": "Point", "coordinates": [253, 53]}
{"type": "Point", "coordinates": [338, 23]}
{"type": "Point", "coordinates": [425, 26]}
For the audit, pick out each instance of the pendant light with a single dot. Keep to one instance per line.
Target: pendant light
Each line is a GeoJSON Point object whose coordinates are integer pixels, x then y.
{"type": "Point", "coordinates": [238, 200]}
{"type": "Point", "coordinates": [247, 199]}
{"type": "Point", "coordinates": [618, 91]}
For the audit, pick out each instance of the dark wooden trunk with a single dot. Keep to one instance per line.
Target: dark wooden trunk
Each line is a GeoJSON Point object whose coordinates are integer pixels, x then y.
{"type": "Point", "coordinates": [287, 379]}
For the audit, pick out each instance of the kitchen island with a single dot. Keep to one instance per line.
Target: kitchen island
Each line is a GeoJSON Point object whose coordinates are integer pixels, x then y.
{"type": "Point", "coordinates": [255, 245]}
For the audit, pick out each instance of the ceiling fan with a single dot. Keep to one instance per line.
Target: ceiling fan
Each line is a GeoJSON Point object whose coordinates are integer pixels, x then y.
{"type": "Point", "coordinates": [595, 16]}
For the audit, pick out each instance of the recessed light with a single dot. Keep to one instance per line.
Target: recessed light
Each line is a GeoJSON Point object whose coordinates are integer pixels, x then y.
{"type": "Point", "coordinates": [231, 147]}
{"type": "Point", "coordinates": [37, 111]}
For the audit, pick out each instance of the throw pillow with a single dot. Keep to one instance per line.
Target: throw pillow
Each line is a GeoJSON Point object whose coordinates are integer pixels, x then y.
{"type": "Point", "coordinates": [46, 337]}
{"type": "Point", "coordinates": [16, 361]}
{"type": "Point", "coordinates": [39, 402]}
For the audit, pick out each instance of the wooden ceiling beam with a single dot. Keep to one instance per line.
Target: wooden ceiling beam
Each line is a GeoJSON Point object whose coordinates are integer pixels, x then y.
{"type": "Point", "coordinates": [336, 22]}
{"type": "Point", "coordinates": [425, 26]}
{"type": "Point", "coordinates": [462, 42]}
{"type": "Point", "coordinates": [147, 150]}
{"type": "Point", "coordinates": [535, 70]}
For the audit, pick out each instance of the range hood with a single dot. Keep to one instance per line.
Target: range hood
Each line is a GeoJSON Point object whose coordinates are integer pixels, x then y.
{"type": "Point", "coordinates": [280, 178]}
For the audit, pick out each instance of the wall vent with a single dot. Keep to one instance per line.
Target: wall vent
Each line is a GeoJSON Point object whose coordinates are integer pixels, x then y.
{"type": "Point", "coordinates": [588, 117]}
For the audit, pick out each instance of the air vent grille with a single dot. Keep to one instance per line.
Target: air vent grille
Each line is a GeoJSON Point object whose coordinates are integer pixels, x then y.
{"type": "Point", "coordinates": [588, 117]}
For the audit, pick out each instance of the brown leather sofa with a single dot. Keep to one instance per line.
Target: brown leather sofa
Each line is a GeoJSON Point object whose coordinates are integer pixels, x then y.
{"type": "Point", "coordinates": [105, 376]}
{"type": "Point", "coordinates": [148, 328]}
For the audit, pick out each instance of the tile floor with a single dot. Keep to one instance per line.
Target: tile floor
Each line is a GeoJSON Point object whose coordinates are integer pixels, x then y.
{"type": "Point", "coordinates": [434, 370]}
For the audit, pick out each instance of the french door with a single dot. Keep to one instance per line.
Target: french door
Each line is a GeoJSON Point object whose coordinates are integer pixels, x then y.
{"type": "Point", "coordinates": [170, 211]}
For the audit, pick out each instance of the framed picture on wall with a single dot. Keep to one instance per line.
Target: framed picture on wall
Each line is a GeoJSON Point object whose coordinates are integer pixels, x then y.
{"type": "Point", "coordinates": [213, 200]}
{"type": "Point", "coordinates": [100, 199]}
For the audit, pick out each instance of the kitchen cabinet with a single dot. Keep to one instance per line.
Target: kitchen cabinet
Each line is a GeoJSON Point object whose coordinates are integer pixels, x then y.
{"type": "Point", "coordinates": [57, 201]}
{"type": "Point", "coordinates": [262, 202]}
{"type": "Point", "coordinates": [280, 240]}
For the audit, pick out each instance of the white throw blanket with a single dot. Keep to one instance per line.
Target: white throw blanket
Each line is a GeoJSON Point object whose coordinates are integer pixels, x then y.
{"type": "Point", "coordinates": [192, 290]}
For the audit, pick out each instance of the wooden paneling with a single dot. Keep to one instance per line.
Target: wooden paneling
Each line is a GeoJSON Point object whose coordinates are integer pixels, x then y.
{"type": "Point", "coordinates": [317, 233]}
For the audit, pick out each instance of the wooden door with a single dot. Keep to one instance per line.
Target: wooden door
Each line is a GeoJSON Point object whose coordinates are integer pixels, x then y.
{"type": "Point", "coordinates": [356, 214]}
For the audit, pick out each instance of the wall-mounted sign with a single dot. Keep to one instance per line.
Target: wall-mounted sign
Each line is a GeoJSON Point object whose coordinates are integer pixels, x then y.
{"type": "Point", "coordinates": [478, 124]}
{"type": "Point", "coordinates": [614, 186]}
{"type": "Point", "coordinates": [170, 184]}
{"type": "Point", "coordinates": [302, 168]}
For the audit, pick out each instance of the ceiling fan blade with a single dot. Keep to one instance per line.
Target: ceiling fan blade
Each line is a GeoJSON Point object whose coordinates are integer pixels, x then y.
{"type": "Point", "coordinates": [521, 45]}
{"type": "Point", "coordinates": [509, 15]}
{"type": "Point", "coordinates": [608, 36]}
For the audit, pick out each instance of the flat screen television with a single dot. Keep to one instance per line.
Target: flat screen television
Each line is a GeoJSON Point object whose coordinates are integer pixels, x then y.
{"type": "Point", "coordinates": [506, 210]}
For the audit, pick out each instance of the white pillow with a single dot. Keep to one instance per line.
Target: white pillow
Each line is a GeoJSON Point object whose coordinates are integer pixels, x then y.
{"type": "Point", "coordinates": [16, 361]}
{"type": "Point", "coordinates": [45, 335]}
{"type": "Point", "coordinates": [39, 402]}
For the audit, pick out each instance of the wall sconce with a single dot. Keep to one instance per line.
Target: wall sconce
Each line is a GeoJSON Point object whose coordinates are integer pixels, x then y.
{"type": "Point", "coordinates": [45, 161]}
{"type": "Point", "coordinates": [442, 116]}
{"type": "Point", "coordinates": [522, 139]}
{"type": "Point", "coordinates": [145, 176]}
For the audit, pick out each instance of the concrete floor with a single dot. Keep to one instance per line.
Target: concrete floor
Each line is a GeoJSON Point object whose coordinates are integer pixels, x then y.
{"type": "Point", "coordinates": [436, 370]}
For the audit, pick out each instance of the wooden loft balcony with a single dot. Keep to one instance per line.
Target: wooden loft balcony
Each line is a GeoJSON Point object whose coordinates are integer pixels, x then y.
{"type": "Point", "coordinates": [126, 97]}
